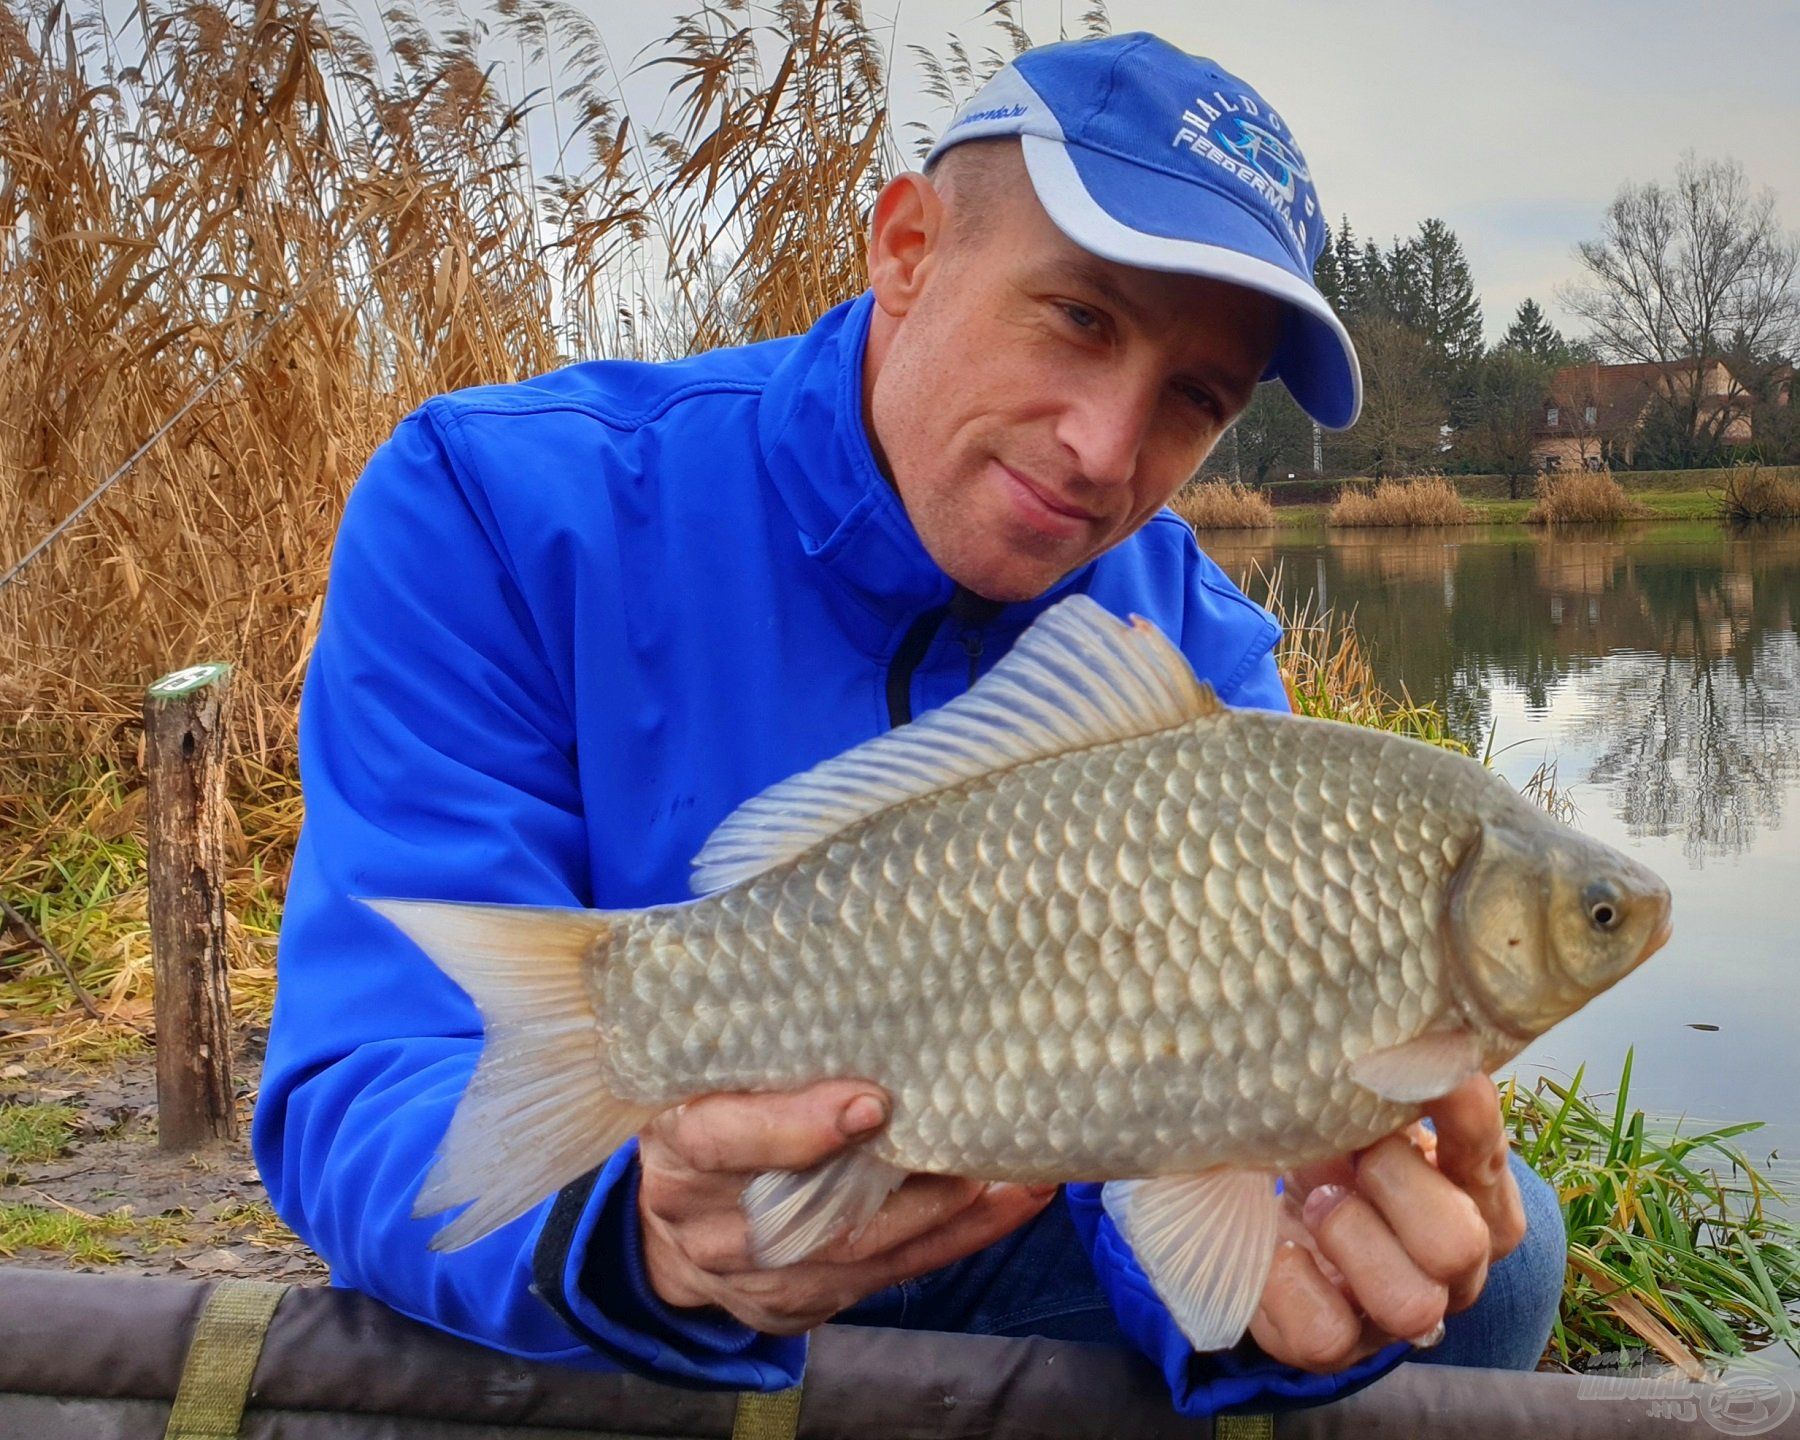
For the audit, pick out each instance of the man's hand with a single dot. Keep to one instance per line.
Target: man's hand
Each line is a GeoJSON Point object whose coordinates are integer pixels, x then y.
{"type": "Point", "coordinates": [1384, 1244]}
{"type": "Point", "coordinates": [697, 1158]}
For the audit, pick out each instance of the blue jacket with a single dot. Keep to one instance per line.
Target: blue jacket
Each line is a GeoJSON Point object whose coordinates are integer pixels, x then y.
{"type": "Point", "coordinates": [571, 625]}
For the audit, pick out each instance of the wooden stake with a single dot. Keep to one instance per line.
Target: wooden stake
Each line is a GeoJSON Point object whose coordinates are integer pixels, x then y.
{"type": "Point", "coordinates": [184, 753]}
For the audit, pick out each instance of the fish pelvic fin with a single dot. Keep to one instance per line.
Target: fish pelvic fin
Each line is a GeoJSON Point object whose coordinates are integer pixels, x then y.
{"type": "Point", "coordinates": [536, 1114]}
{"type": "Point", "coordinates": [1205, 1241]}
{"type": "Point", "coordinates": [1078, 677]}
{"type": "Point", "coordinates": [793, 1212]}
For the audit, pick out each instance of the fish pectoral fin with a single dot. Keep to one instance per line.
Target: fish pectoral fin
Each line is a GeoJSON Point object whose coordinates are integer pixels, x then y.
{"type": "Point", "coordinates": [793, 1212]}
{"type": "Point", "coordinates": [1206, 1241]}
{"type": "Point", "coordinates": [1424, 1068]}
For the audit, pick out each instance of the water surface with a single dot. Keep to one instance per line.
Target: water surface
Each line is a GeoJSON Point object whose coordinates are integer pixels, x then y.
{"type": "Point", "coordinates": [1658, 666]}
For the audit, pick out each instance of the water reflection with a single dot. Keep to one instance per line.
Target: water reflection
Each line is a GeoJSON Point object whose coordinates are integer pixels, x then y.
{"type": "Point", "coordinates": [1668, 654]}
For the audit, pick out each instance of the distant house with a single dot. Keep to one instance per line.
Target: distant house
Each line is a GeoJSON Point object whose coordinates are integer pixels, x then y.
{"type": "Point", "coordinates": [1594, 413]}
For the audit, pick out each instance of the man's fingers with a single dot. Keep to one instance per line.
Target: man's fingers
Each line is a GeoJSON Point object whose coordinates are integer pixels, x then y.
{"type": "Point", "coordinates": [1339, 1170]}
{"type": "Point", "coordinates": [1303, 1320]}
{"type": "Point", "coordinates": [747, 1134]}
{"type": "Point", "coordinates": [795, 1297]}
{"type": "Point", "coordinates": [1391, 1289]}
{"type": "Point", "coordinates": [1472, 1150]}
{"type": "Point", "coordinates": [997, 1211]}
{"type": "Point", "coordinates": [920, 1205]}
{"type": "Point", "coordinates": [1440, 1225]}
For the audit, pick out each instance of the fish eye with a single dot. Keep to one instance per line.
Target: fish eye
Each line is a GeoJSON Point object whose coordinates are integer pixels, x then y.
{"type": "Point", "coordinates": [1604, 908]}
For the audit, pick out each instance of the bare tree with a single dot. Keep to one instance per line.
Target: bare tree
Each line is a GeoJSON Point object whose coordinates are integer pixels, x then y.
{"type": "Point", "coordinates": [1678, 271]}
{"type": "Point", "coordinates": [1403, 416]}
{"type": "Point", "coordinates": [1272, 434]}
{"type": "Point", "coordinates": [1501, 417]}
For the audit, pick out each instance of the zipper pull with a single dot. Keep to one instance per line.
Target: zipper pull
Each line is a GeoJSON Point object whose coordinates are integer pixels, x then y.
{"type": "Point", "coordinates": [971, 643]}
{"type": "Point", "coordinates": [973, 611]}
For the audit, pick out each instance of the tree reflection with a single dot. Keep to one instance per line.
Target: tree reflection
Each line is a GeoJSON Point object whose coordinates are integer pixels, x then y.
{"type": "Point", "coordinates": [1698, 735]}
{"type": "Point", "coordinates": [1675, 646]}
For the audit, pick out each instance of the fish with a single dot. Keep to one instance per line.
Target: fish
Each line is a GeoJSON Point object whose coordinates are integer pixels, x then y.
{"type": "Point", "coordinates": [1082, 923]}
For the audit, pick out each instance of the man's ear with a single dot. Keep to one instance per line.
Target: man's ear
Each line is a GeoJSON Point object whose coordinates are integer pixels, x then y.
{"type": "Point", "coordinates": [906, 239]}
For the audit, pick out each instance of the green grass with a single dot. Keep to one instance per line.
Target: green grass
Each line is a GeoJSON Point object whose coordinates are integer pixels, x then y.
{"type": "Point", "coordinates": [72, 860]}
{"type": "Point", "coordinates": [30, 1133]}
{"type": "Point", "coordinates": [1679, 1233]}
{"type": "Point", "coordinates": [1662, 505]}
{"type": "Point", "coordinates": [85, 1239]}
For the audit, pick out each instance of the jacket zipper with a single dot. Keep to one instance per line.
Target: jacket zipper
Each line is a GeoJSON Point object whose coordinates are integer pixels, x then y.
{"type": "Point", "coordinates": [972, 610]}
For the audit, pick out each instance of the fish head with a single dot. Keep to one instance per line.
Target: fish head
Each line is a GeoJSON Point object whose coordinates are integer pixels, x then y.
{"type": "Point", "coordinates": [1542, 918]}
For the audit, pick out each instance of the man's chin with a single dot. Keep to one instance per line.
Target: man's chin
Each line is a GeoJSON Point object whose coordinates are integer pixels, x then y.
{"type": "Point", "coordinates": [1013, 579]}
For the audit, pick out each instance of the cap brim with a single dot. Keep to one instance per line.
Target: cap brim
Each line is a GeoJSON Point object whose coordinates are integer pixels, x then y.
{"type": "Point", "coordinates": [1135, 215]}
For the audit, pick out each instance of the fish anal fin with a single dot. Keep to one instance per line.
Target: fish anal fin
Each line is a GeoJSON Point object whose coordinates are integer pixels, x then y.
{"type": "Point", "coordinates": [1422, 1068]}
{"type": "Point", "coordinates": [794, 1212]}
{"type": "Point", "coordinates": [1206, 1242]}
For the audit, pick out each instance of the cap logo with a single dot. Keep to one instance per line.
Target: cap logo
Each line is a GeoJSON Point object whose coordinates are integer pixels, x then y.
{"type": "Point", "coordinates": [1002, 112]}
{"type": "Point", "coordinates": [1260, 155]}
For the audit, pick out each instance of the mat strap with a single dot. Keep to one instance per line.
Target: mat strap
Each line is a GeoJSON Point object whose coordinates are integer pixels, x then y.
{"type": "Point", "coordinates": [221, 1359]}
{"type": "Point", "coordinates": [767, 1415]}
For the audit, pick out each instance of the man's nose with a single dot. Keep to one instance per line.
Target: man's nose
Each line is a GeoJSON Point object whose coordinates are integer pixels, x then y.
{"type": "Point", "coordinates": [1104, 426]}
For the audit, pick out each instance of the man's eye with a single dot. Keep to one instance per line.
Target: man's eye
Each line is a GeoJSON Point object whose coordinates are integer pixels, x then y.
{"type": "Point", "coordinates": [1080, 316]}
{"type": "Point", "coordinates": [1201, 399]}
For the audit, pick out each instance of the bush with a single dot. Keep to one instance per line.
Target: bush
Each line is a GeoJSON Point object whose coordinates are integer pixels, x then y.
{"type": "Point", "coordinates": [1422, 500]}
{"type": "Point", "coordinates": [1222, 505]}
{"type": "Point", "coordinates": [1753, 493]}
{"type": "Point", "coordinates": [1581, 496]}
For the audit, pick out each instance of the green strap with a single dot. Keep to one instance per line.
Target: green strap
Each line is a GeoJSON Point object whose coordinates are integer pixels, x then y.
{"type": "Point", "coordinates": [763, 1415]}
{"type": "Point", "coordinates": [1244, 1427]}
{"type": "Point", "coordinates": [221, 1358]}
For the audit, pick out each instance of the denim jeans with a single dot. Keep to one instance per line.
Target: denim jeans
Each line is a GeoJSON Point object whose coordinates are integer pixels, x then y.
{"type": "Point", "coordinates": [1038, 1281]}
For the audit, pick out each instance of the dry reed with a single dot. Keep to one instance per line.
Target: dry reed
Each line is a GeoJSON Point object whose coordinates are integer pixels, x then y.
{"type": "Point", "coordinates": [1421, 500]}
{"type": "Point", "coordinates": [1581, 497]}
{"type": "Point", "coordinates": [1752, 493]}
{"type": "Point", "coordinates": [358, 225]}
{"type": "Point", "coordinates": [1223, 505]}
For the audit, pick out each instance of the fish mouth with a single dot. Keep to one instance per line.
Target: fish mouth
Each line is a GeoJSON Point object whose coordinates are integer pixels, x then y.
{"type": "Point", "coordinates": [1659, 937]}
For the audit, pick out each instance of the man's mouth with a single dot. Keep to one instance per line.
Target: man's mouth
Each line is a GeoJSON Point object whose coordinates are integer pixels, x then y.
{"type": "Point", "coordinates": [1041, 507]}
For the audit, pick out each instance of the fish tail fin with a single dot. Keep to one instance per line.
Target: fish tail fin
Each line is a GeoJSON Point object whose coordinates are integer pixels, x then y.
{"type": "Point", "coordinates": [537, 1114]}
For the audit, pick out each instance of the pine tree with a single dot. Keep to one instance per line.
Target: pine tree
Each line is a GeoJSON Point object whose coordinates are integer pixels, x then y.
{"type": "Point", "coordinates": [1376, 280]}
{"type": "Point", "coordinates": [1531, 333]}
{"type": "Point", "coordinates": [1327, 276]}
{"type": "Point", "coordinates": [1443, 304]}
{"type": "Point", "coordinates": [1347, 261]}
{"type": "Point", "coordinates": [1407, 300]}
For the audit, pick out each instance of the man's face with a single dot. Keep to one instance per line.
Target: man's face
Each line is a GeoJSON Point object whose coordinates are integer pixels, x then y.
{"type": "Point", "coordinates": [1035, 404]}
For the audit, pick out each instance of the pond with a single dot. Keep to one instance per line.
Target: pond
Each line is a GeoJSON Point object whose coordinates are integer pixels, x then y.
{"type": "Point", "coordinates": [1658, 666]}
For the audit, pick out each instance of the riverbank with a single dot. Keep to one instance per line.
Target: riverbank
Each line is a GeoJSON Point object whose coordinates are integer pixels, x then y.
{"type": "Point", "coordinates": [1660, 504]}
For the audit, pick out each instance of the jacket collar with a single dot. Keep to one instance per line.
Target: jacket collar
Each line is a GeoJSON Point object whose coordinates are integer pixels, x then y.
{"type": "Point", "coordinates": [850, 520]}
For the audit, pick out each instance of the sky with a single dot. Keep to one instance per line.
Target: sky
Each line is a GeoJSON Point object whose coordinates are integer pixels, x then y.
{"type": "Point", "coordinates": [1514, 121]}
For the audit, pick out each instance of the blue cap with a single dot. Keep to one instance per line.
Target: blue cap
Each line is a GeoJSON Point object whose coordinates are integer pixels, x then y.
{"type": "Point", "coordinates": [1148, 156]}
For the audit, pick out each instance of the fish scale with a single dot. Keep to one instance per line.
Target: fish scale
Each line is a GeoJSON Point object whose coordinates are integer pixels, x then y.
{"type": "Point", "coordinates": [1280, 980]}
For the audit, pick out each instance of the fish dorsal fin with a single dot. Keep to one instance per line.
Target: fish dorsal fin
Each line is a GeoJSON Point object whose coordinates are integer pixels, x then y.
{"type": "Point", "coordinates": [1078, 677]}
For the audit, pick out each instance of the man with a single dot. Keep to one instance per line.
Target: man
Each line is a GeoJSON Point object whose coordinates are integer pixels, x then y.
{"type": "Point", "coordinates": [574, 623]}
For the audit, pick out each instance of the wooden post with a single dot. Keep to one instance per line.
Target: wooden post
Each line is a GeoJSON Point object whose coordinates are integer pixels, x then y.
{"type": "Point", "coordinates": [184, 754]}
